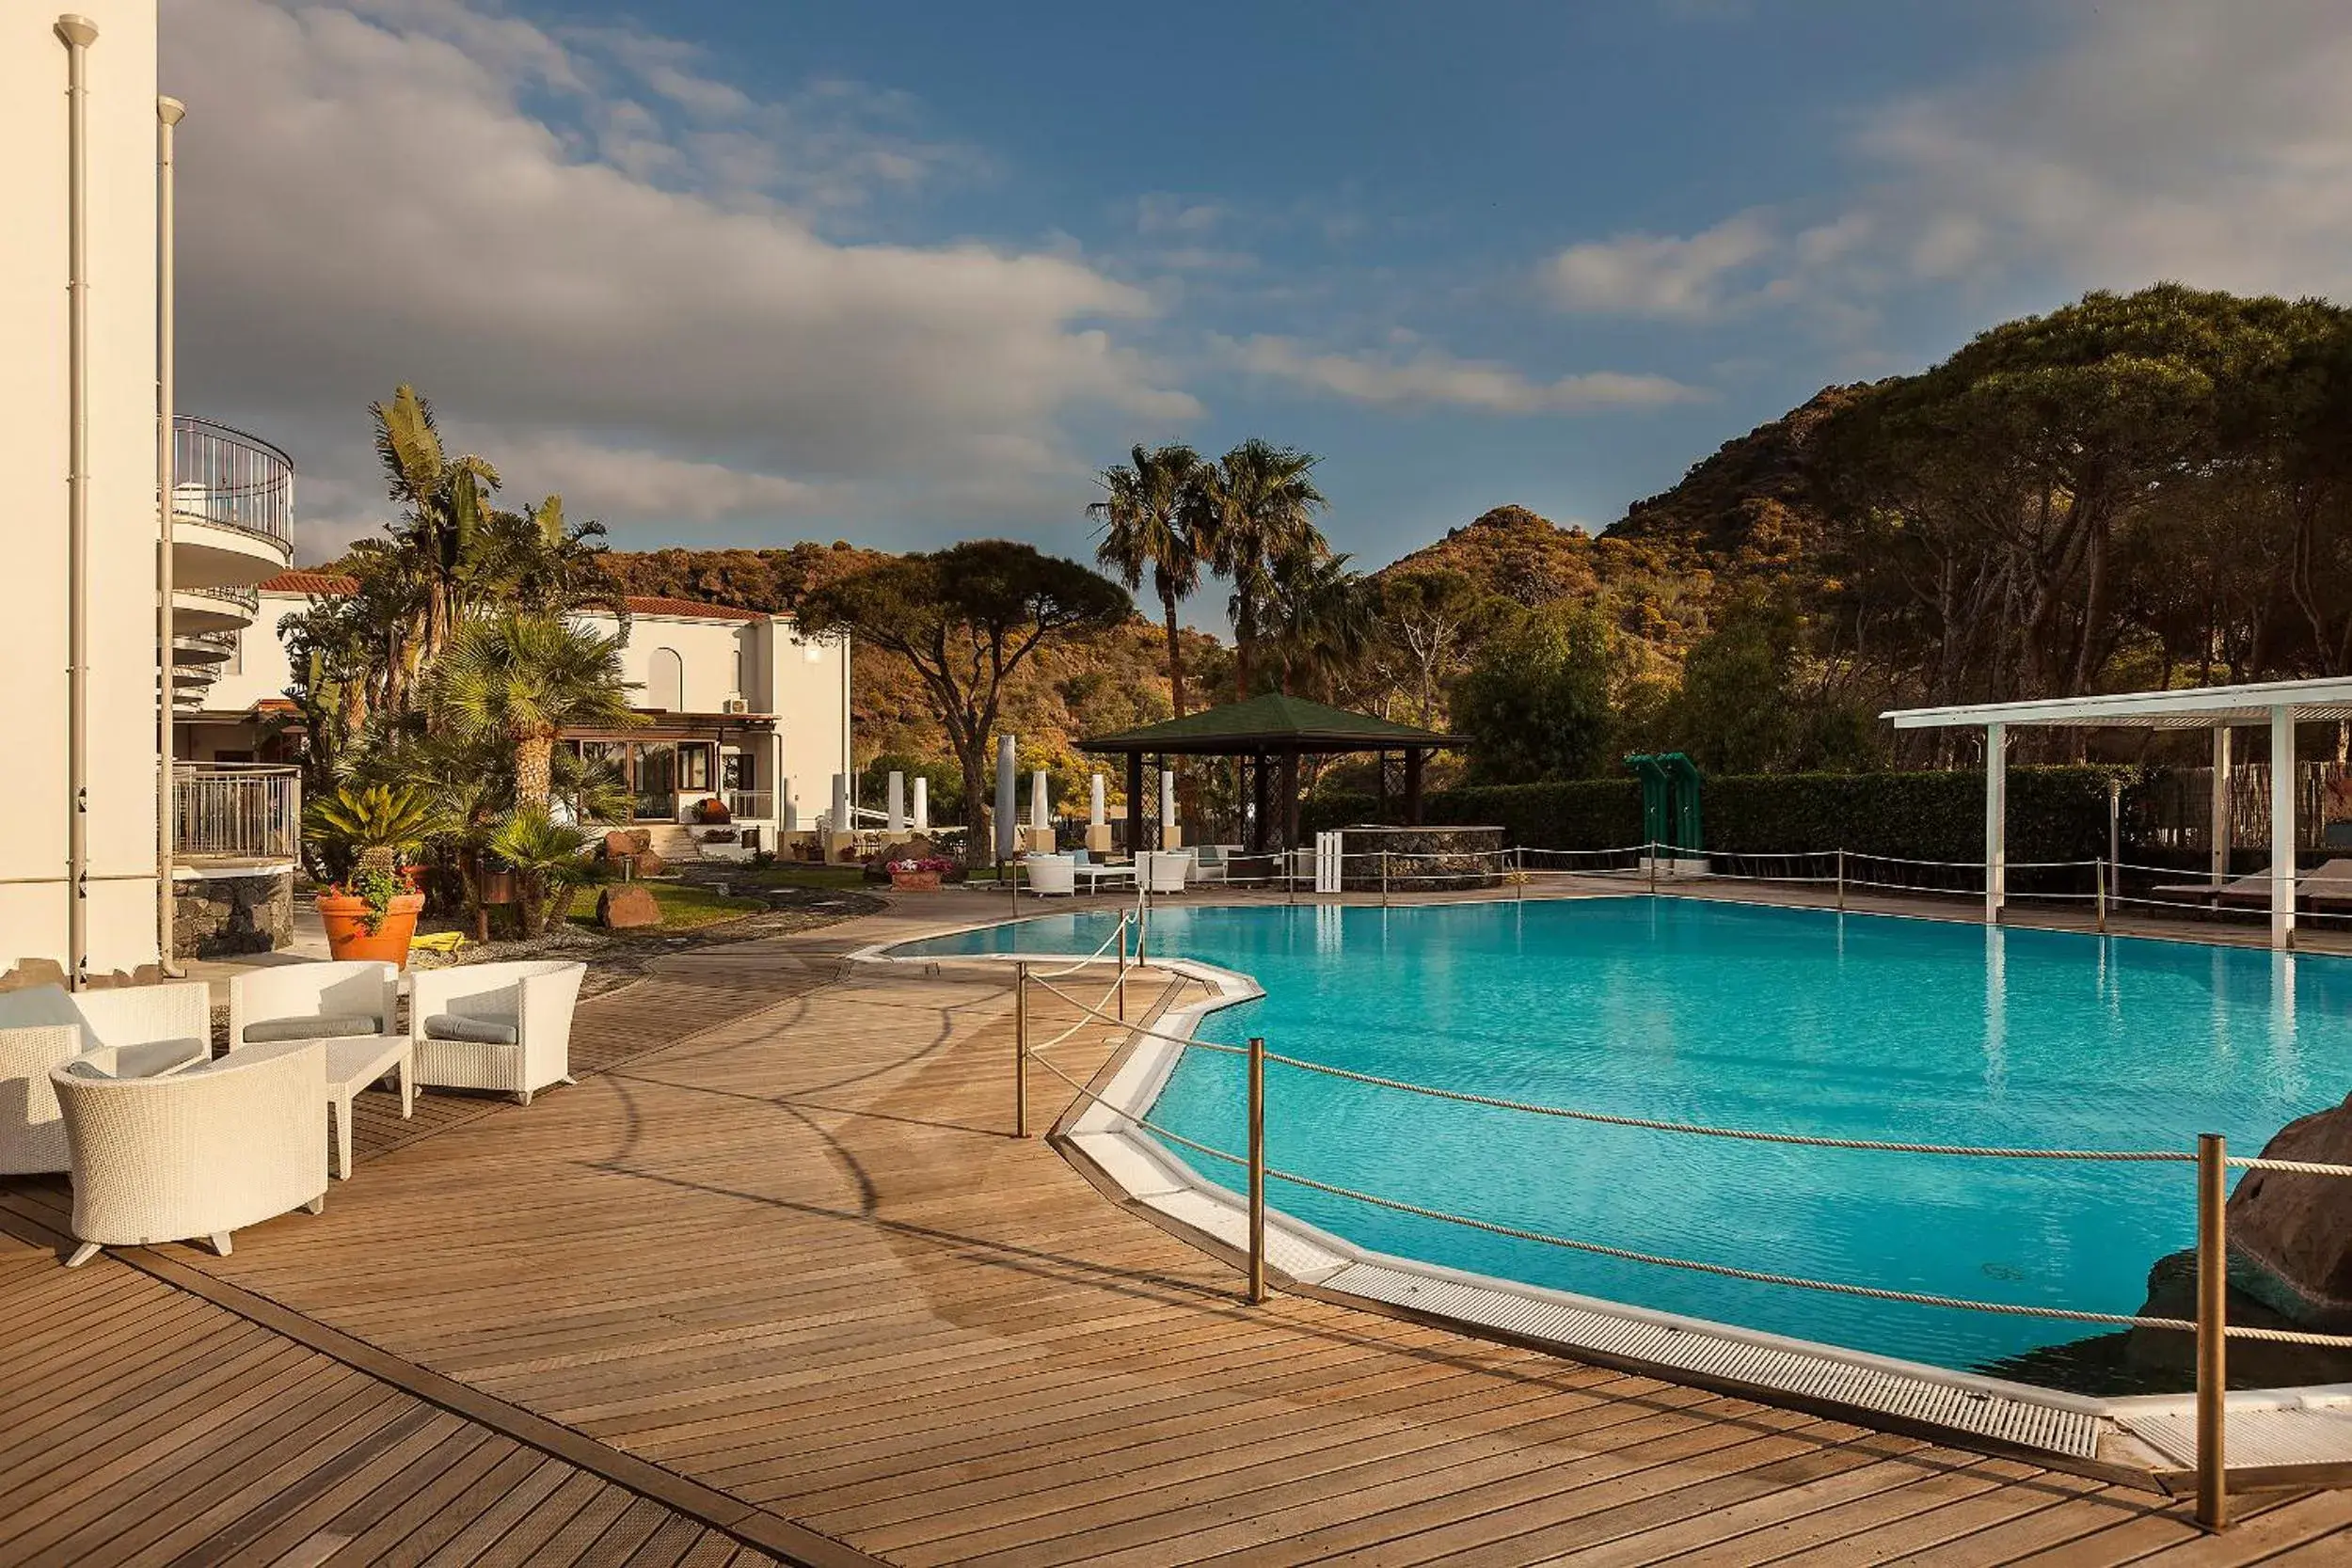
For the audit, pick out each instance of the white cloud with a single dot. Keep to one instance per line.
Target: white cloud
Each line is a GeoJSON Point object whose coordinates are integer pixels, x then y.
{"type": "Point", "coordinates": [585, 248]}
{"type": "Point", "coordinates": [1429, 376]}
{"type": "Point", "coordinates": [2164, 138]}
{"type": "Point", "coordinates": [1660, 274]}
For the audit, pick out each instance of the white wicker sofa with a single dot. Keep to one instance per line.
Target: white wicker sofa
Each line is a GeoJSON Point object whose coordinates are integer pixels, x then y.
{"type": "Point", "coordinates": [507, 1027]}
{"type": "Point", "coordinates": [128, 1032]}
{"type": "Point", "coordinates": [202, 1152]}
{"type": "Point", "coordinates": [312, 1000]}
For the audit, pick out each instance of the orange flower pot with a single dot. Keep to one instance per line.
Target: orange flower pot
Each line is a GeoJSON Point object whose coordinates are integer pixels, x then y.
{"type": "Point", "coordinates": [347, 919]}
{"type": "Point", "coordinates": [915, 882]}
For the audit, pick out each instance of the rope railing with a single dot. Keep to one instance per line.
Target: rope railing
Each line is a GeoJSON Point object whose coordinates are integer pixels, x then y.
{"type": "Point", "coordinates": [2210, 1325]}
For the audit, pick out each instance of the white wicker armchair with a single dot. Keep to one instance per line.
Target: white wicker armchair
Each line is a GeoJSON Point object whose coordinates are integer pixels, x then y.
{"type": "Point", "coordinates": [503, 1026]}
{"type": "Point", "coordinates": [1163, 870]}
{"type": "Point", "coordinates": [202, 1152]}
{"type": "Point", "coordinates": [1052, 874]}
{"type": "Point", "coordinates": [130, 1032]}
{"type": "Point", "coordinates": [312, 1000]}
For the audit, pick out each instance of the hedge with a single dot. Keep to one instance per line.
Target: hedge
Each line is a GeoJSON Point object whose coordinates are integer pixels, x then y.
{"type": "Point", "coordinates": [2054, 812]}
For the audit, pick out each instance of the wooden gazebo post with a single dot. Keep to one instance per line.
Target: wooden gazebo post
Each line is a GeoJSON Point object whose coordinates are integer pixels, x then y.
{"type": "Point", "coordinates": [1260, 830]}
{"type": "Point", "coordinates": [1134, 802]}
{"type": "Point", "coordinates": [1290, 800]}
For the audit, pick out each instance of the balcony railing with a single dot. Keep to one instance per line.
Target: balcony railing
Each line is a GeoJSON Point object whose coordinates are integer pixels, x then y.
{"type": "Point", "coordinates": [246, 600]}
{"type": "Point", "coordinates": [757, 805]}
{"type": "Point", "coordinates": [230, 811]}
{"type": "Point", "coordinates": [231, 479]}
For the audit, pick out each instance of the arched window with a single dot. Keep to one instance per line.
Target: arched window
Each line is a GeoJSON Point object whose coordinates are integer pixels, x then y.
{"type": "Point", "coordinates": [665, 681]}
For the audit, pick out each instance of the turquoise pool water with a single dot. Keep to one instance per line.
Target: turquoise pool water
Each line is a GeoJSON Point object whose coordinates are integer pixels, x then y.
{"type": "Point", "coordinates": [1853, 1026]}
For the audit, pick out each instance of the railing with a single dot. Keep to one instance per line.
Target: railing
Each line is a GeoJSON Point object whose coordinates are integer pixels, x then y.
{"type": "Point", "coordinates": [187, 644]}
{"type": "Point", "coordinates": [231, 479]}
{"type": "Point", "coordinates": [2210, 1159]}
{"type": "Point", "coordinates": [759, 805]}
{"type": "Point", "coordinates": [246, 600]}
{"type": "Point", "coordinates": [230, 811]}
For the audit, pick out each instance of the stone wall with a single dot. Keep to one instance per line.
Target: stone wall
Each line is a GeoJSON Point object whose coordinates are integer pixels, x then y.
{"type": "Point", "coordinates": [216, 916]}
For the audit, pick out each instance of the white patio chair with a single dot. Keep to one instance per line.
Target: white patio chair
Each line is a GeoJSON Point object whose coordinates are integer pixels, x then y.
{"type": "Point", "coordinates": [1163, 870]}
{"type": "Point", "coordinates": [126, 1033]}
{"type": "Point", "coordinates": [203, 1153]}
{"type": "Point", "coordinates": [1057, 874]}
{"type": "Point", "coordinates": [313, 1002]}
{"type": "Point", "coordinates": [504, 1026]}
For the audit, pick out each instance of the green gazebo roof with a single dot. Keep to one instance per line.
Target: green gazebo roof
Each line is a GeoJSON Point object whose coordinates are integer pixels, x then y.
{"type": "Point", "coordinates": [1269, 725]}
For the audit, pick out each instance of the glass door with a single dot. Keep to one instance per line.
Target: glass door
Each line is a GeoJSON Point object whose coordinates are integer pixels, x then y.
{"type": "Point", "coordinates": [656, 781]}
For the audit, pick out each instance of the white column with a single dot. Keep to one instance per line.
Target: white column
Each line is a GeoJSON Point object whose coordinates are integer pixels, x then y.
{"type": "Point", "coordinates": [1996, 820]}
{"type": "Point", "coordinates": [897, 803]}
{"type": "Point", "coordinates": [1037, 816]}
{"type": "Point", "coordinates": [922, 805]}
{"type": "Point", "coordinates": [1094, 800]}
{"type": "Point", "coordinates": [787, 812]}
{"type": "Point", "coordinates": [2281, 827]}
{"type": "Point", "coordinates": [2219, 822]}
{"type": "Point", "coordinates": [1168, 798]}
{"type": "Point", "coordinates": [841, 823]}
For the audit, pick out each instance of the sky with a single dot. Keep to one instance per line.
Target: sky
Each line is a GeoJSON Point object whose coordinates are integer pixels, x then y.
{"type": "Point", "coordinates": [754, 271]}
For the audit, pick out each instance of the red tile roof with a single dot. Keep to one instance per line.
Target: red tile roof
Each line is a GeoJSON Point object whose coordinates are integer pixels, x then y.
{"type": "Point", "coordinates": [308, 582]}
{"type": "Point", "coordinates": [330, 583]}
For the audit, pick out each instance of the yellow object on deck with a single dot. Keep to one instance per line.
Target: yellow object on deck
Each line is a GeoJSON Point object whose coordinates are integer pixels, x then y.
{"type": "Point", "coordinates": [439, 941]}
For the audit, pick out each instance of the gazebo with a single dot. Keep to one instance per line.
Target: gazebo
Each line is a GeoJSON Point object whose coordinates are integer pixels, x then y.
{"type": "Point", "coordinates": [2278, 706]}
{"type": "Point", "coordinates": [1271, 733]}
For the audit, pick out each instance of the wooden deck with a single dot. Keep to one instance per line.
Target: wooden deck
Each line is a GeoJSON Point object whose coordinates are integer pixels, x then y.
{"type": "Point", "coordinates": [776, 1278]}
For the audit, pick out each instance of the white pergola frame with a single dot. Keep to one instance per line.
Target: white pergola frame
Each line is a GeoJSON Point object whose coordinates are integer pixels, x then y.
{"type": "Point", "coordinates": [2278, 704]}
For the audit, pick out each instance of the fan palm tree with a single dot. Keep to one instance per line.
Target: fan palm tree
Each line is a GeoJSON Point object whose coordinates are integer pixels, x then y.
{"type": "Point", "coordinates": [1150, 509]}
{"type": "Point", "coordinates": [523, 678]}
{"type": "Point", "coordinates": [1319, 621]}
{"type": "Point", "coordinates": [446, 510]}
{"type": "Point", "coordinates": [545, 856]}
{"type": "Point", "coordinates": [1258, 507]}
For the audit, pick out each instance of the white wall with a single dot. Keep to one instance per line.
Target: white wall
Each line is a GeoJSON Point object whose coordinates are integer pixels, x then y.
{"type": "Point", "coordinates": [123, 531]}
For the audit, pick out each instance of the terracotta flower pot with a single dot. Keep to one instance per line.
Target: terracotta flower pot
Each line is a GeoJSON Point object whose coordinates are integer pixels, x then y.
{"type": "Point", "coordinates": [915, 882]}
{"type": "Point", "coordinates": [347, 919]}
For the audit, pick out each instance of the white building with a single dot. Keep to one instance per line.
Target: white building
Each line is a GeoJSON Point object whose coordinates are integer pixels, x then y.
{"type": "Point", "coordinates": [84, 346]}
{"type": "Point", "coordinates": [734, 701]}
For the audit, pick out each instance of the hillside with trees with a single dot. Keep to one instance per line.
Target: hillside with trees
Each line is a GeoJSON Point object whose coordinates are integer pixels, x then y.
{"type": "Point", "coordinates": [2139, 489]}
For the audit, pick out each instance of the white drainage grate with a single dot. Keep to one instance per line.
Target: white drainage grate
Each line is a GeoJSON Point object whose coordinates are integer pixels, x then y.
{"type": "Point", "coordinates": [2051, 1428]}
{"type": "Point", "coordinates": [2258, 1438]}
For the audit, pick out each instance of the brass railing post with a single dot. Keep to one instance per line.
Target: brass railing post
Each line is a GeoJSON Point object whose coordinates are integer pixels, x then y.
{"type": "Point", "coordinates": [2213, 1294]}
{"type": "Point", "coordinates": [1021, 1051]}
{"type": "Point", "coordinates": [1257, 1169]}
{"type": "Point", "coordinates": [1841, 879]}
{"type": "Point", "coordinates": [1122, 966]}
{"type": "Point", "coordinates": [2098, 881]}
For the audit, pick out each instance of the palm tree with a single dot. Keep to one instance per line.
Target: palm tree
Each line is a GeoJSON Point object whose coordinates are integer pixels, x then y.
{"type": "Point", "coordinates": [1150, 509]}
{"type": "Point", "coordinates": [545, 856]}
{"type": "Point", "coordinates": [1258, 507]}
{"type": "Point", "coordinates": [1319, 621]}
{"type": "Point", "coordinates": [446, 509]}
{"type": "Point", "coordinates": [522, 679]}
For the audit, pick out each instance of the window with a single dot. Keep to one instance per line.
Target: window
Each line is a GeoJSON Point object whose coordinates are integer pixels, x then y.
{"type": "Point", "coordinates": [665, 681]}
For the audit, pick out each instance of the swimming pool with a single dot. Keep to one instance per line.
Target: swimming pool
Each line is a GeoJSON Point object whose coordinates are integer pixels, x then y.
{"type": "Point", "coordinates": [1846, 1026]}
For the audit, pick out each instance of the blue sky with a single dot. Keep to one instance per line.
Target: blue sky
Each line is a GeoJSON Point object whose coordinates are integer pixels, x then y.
{"type": "Point", "coordinates": [748, 273]}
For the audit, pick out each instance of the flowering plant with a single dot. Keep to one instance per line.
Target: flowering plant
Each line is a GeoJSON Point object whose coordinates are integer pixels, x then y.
{"type": "Point", "coordinates": [915, 867]}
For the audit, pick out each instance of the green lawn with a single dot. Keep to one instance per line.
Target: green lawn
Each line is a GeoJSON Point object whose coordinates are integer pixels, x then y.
{"type": "Point", "coordinates": [684, 906]}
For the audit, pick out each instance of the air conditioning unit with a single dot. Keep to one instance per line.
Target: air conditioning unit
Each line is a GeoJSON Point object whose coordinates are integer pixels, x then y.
{"type": "Point", "coordinates": [734, 704]}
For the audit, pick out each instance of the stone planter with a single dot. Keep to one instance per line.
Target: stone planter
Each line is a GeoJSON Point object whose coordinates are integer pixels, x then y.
{"type": "Point", "coordinates": [915, 882]}
{"type": "Point", "coordinates": [347, 919]}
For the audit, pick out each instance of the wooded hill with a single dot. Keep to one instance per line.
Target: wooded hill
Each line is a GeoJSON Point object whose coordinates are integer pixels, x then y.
{"type": "Point", "coordinates": [2133, 490]}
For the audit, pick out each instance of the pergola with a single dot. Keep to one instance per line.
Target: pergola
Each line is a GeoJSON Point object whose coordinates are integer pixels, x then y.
{"type": "Point", "coordinates": [1265, 730]}
{"type": "Point", "coordinates": [2278, 704]}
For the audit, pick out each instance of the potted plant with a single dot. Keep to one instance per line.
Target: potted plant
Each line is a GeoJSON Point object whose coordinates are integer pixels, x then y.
{"type": "Point", "coordinates": [367, 838]}
{"type": "Point", "coordinates": [919, 875]}
{"type": "Point", "coordinates": [712, 811]}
